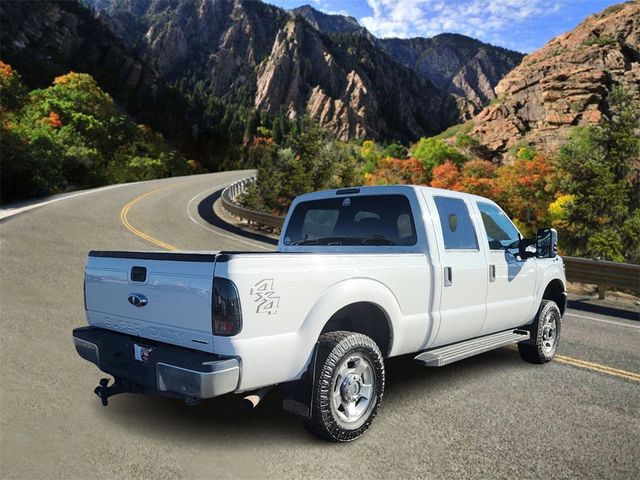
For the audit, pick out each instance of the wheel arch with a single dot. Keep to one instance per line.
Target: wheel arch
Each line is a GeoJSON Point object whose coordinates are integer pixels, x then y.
{"type": "Point", "coordinates": [361, 305]}
{"type": "Point", "coordinates": [557, 292]}
{"type": "Point", "coordinates": [363, 317]}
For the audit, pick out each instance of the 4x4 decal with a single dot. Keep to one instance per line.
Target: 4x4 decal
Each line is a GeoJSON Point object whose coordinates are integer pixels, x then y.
{"type": "Point", "coordinates": [265, 296]}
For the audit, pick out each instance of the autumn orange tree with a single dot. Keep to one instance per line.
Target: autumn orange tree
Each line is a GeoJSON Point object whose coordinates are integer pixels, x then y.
{"type": "Point", "coordinates": [525, 189]}
{"type": "Point", "coordinates": [393, 171]}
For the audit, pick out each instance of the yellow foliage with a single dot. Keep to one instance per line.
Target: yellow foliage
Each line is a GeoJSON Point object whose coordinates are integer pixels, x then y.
{"type": "Point", "coordinates": [66, 78]}
{"type": "Point", "coordinates": [558, 209]}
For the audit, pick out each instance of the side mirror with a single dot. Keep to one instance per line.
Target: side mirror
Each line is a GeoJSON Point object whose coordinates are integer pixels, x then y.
{"type": "Point", "coordinates": [527, 248]}
{"type": "Point", "coordinates": [547, 243]}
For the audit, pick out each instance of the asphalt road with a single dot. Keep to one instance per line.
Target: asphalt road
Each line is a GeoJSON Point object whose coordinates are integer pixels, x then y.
{"type": "Point", "coordinates": [492, 416]}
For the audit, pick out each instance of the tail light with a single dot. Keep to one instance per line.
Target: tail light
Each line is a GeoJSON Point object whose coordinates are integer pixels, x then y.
{"type": "Point", "coordinates": [226, 313]}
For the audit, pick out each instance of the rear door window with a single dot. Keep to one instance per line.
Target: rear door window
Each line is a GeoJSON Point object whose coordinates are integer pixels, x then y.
{"type": "Point", "coordinates": [457, 229]}
{"type": "Point", "coordinates": [356, 220]}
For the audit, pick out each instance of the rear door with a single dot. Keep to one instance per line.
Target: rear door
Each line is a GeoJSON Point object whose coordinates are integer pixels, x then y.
{"type": "Point", "coordinates": [512, 281]}
{"type": "Point", "coordinates": [463, 269]}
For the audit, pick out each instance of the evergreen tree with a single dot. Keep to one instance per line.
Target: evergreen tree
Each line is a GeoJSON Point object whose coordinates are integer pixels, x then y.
{"type": "Point", "coordinates": [600, 168]}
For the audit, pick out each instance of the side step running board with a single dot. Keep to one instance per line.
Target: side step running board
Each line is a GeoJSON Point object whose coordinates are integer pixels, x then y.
{"type": "Point", "coordinates": [458, 351]}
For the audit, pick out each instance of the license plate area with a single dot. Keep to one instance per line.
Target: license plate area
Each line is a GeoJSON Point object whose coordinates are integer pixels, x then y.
{"type": "Point", "coordinates": [141, 352]}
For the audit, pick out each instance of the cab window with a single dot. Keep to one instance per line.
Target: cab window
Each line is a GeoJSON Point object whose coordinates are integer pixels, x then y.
{"type": "Point", "coordinates": [367, 220]}
{"type": "Point", "coordinates": [501, 233]}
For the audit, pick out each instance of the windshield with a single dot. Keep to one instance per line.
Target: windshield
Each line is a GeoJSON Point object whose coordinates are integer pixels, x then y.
{"type": "Point", "coordinates": [357, 220]}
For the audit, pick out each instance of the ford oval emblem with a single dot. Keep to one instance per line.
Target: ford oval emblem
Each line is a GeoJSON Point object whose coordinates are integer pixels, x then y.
{"type": "Point", "coordinates": [137, 300]}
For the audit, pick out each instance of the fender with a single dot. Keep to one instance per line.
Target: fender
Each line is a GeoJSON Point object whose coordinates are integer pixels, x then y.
{"type": "Point", "coordinates": [549, 270]}
{"type": "Point", "coordinates": [347, 292]}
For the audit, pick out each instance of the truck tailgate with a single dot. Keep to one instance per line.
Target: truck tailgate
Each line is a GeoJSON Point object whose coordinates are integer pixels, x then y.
{"type": "Point", "coordinates": [158, 296]}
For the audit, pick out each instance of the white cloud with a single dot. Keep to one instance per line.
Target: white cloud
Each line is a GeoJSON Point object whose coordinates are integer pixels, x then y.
{"type": "Point", "coordinates": [484, 19]}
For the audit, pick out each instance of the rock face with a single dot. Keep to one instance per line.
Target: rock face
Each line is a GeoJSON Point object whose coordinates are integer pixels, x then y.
{"type": "Point", "coordinates": [328, 23]}
{"type": "Point", "coordinates": [565, 83]}
{"type": "Point", "coordinates": [306, 71]}
{"type": "Point", "coordinates": [254, 54]}
{"type": "Point", "coordinates": [216, 42]}
{"type": "Point", "coordinates": [457, 64]}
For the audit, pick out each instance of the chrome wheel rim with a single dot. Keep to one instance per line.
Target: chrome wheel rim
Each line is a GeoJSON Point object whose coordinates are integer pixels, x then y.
{"type": "Point", "coordinates": [353, 391]}
{"type": "Point", "coordinates": [549, 333]}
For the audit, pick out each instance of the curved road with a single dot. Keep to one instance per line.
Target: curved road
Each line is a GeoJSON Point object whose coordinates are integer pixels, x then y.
{"type": "Point", "coordinates": [486, 417]}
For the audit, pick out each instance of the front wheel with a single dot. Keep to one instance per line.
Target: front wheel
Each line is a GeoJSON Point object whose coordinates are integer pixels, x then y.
{"type": "Point", "coordinates": [545, 335]}
{"type": "Point", "coordinates": [348, 388]}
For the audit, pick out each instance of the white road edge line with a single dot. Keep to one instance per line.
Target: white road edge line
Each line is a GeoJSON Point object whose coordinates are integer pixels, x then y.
{"type": "Point", "coordinates": [602, 320]}
{"type": "Point", "coordinates": [217, 231]}
{"type": "Point", "coordinates": [10, 212]}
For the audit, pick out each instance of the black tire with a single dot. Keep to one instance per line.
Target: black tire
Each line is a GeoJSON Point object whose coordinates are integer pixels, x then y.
{"type": "Point", "coordinates": [339, 357]}
{"type": "Point", "coordinates": [545, 338]}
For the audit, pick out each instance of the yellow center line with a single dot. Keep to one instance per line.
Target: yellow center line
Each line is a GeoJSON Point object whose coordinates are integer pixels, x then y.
{"type": "Point", "coordinates": [139, 233]}
{"type": "Point", "coordinates": [596, 367]}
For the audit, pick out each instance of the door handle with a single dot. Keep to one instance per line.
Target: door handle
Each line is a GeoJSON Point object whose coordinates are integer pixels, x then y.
{"type": "Point", "coordinates": [492, 273]}
{"type": "Point", "coordinates": [448, 277]}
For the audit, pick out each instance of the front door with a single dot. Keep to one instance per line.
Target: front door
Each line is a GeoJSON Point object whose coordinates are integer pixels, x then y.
{"type": "Point", "coordinates": [463, 271]}
{"type": "Point", "coordinates": [512, 281]}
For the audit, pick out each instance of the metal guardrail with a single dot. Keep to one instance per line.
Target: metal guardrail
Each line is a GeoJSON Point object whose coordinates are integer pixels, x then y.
{"type": "Point", "coordinates": [602, 273]}
{"type": "Point", "coordinates": [262, 219]}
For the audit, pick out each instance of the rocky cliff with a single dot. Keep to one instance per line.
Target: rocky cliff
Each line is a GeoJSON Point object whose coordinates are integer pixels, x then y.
{"type": "Point", "coordinates": [565, 83]}
{"type": "Point", "coordinates": [349, 86]}
{"type": "Point", "coordinates": [328, 23]}
{"type": "Point", "coordinates": [459, 65]}
{"type": "Point", "coordinates": [254, 54]}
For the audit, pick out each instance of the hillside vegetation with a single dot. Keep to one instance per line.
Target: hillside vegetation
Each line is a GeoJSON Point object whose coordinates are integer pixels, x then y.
{"type": "Point", "coordinates": [71, 135]}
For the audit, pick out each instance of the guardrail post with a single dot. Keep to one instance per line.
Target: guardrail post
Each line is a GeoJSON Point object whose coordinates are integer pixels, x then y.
{"type": "Point", "coordinates": [601, 291]}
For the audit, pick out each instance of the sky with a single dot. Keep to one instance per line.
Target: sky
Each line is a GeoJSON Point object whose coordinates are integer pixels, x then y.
{"type": "Point", "coordinates": [522, 25]}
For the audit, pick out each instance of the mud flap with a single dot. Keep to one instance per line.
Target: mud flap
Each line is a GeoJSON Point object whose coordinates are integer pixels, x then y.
{"type": "Point", "coordinates": [298, 395]}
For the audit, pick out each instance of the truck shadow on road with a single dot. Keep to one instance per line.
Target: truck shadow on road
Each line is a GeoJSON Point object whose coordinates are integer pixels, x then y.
{"type": "Point", "coordinates": [222, 418]}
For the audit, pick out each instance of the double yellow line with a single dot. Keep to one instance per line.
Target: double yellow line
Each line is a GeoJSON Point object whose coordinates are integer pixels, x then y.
{"type": "Point", "coordinates": [139, 233]}
{"type": "Point", "coordinates": [596, 367]}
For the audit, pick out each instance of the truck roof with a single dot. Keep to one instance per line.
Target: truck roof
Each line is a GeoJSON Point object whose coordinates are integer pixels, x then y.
{"type": "Point", "coordinates": [385, 190]}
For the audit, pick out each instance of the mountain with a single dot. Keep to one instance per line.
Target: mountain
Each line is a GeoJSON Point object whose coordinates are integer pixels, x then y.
{"type": "Point", "coordinates": [459, 65]}
{"type": "Point", "coordinates": [211, 62]}
{"type": "Point", "coordinates": [564, 84]}
{"type": "Point", "coordinates": [349, 86]}
{"type": "Point", "coordinates": [328, 23]}
{"type": "Point", "coordinates": [255, 54]}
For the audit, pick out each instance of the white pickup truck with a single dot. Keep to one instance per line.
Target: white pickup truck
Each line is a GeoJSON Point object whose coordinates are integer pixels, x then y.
{"type": "Point", "coordinates": [360, 275]}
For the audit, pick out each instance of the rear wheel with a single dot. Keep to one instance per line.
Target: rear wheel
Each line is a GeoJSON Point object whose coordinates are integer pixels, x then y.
{"type": "Point", "coordinates": [545, 332]}
{"type": "Point", "coordinates": [349, 386]}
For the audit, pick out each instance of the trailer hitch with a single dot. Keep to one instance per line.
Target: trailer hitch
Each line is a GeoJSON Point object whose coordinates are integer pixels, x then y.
{"type": "Point", "coordinates": [104, 390]}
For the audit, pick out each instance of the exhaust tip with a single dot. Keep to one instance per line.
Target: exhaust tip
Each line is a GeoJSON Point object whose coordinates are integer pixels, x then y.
{"type": "Point", "coordinates": [250, 402]}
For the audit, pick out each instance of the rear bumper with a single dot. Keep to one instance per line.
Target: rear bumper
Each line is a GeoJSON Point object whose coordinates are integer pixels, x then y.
{"type": "Point", "coordinates": [169, 370]}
